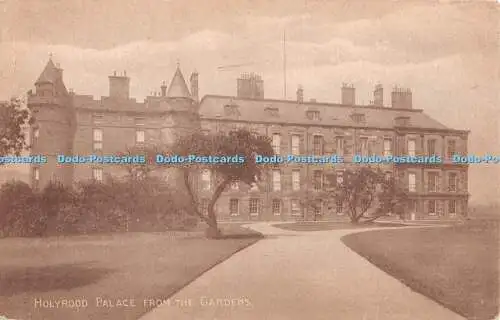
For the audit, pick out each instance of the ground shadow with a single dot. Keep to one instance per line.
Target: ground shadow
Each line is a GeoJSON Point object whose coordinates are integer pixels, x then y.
{"type": "Point", "coordinates": [21, 279]}
{"type": "Point", "coordinates": [241, 236]}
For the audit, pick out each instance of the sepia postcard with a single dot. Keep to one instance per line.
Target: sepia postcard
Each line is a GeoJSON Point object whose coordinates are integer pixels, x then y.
{"type": "Point", "coordinates": [249, 160]}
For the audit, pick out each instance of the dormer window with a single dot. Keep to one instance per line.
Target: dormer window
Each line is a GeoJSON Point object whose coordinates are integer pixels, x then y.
{"type": "Point", "coordinates": [272, 112]}
{"type": "Point", "coordinates": [313, 115]}
{"type": "Point", "coordinates": [231, 110]}
{"type": "Point", "coordinates": [358, 117]}
{"type": "Point", "coordinates": [402, 121]}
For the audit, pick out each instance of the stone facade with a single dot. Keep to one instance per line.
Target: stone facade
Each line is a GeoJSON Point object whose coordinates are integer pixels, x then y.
{"type": "Point", "coordinates": [73, 124]}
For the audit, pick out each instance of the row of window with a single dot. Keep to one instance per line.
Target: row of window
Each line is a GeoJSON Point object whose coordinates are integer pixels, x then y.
{"type": "Point", "coordinates": [434, 182]}
{"type": "Point", "coordinates": [296, 209]}
{"type": "Point", "coordinates": [255, 207]}
{"type": "Point", "coordinates": [140, 137]}
{"type": "Point", "coordinates": [318, 144]}
{"type": "Point", "coordinates": [363, 147]}
{"type": "Point", "coordinates": [319, 180]}
{"type": "Point", "coordinates": [433, 207]}
{"type": "Point", "coordinates": [451, 148]}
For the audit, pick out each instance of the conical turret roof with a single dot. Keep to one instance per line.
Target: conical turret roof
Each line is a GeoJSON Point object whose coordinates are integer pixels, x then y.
{"type": "Point", "coordinates": [49, 73]}
{"type": "Point", "coordinates": [52, 74]}
{"type": "Point", "coordinates": [178, 87]}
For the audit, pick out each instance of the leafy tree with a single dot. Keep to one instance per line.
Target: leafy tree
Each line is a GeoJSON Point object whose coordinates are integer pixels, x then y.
{"type": "Point", "coordinates": [12, 118]}
{"type": "Point", "coordinates": [366, 192]}
{"type": "Point", "coordinates": [238, 142]}
{"type": "Point", "coordinates": [142, 171]}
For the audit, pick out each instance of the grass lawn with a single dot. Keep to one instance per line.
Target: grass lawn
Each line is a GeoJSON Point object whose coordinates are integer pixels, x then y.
{"type": "Point", "coordinates": [138, 266]}
{"type": "Point", "coordinates": [331, 225]}
{"type": "Point", "coordinates": [456, 266]}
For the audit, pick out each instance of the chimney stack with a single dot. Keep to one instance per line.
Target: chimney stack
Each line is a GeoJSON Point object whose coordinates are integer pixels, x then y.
{"type": "Point", "coordinates": [193, 79]}
{"type": "Point", "coordinates": [119, 86]}
{"type": "Point", "coordinates": [163, 89]}
{"type": "Point", "coordinates": [378, 96]}
{"type": "Point", "coordinates": [300, 94]}
{"type": "Point", "coordinates": [348, 94]}
{"type": "Point", "coordinates": [401, 98]}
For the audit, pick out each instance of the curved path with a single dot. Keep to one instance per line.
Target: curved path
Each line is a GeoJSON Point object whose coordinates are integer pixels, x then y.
{"type": "Point", "coordinates": [298, 275]}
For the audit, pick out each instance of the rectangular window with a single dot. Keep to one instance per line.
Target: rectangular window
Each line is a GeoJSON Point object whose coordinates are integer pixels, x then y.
{"type": "Point", "coordinates": [204, 206]}
{"type": "Point", "coordinates": [295, 144]}
{"type": "Point", "coordinates": [317, 145]}
{"type": "Point", "coordinates": [318, 179]}
{"type": "Point", "coordinates": [433, 182]}
{"type": "Point", "coordinates": [234, 209]}
{"type": "Point", "coordinates": [97, 174]}
{"type": "Point", "coordinates": [431, 147]}
{"type": "Point", "coordinates": [339, 144]}
{"type": "Point", "coordinates": [254, 205]}
{"type": "Point", "coordinates": [340, 177]}
{"type": "Point", "coordinates": [276, 180]}
{"type": "Point", "coordinates": [388, 176]}
{"type": "Point", "coordinates": [412, 182]}
{"type": "Point", "coordinates": [452, 148]}
{"type": "Point", "coordinates": [296, 209]}
{"type": "Point", "coordinates": [363, 146]}
{"type": "Point", "coordinates": [318, 207]}
{"type": "Point", "coordinates": [452, 207]}
{"type": "Point", "coordinates": [412, 143]}
{"type": "Point", "coordinates": [276, 207]}
{"type": "Point", "coordinates": [387, 147]}
{"type": "Point", "coordinates": [431, 207]}
{"type": "Point", "coordinates": [452, 182]}
{"type": "Point", "coordinates": [276, 143]}
{"type": "Point", "coordinates": [139, 121]}
{"type": "Point", "coordinates": [234, 185]}
{"type": "Point", "coordinates": [35, 135]}
{"type": "Point", "coordinates": [97, 136]}
{"type": "Point", "coordinates": [313, 115]}
{"type": "Point", "coordinates": [296, 180]}
{"type": "Point", "coordinates": [140, 136]}
{"type": "Point", "coordinates": [329, 181]}
{"type": "Point", "coordinates": [339, 204]}
{"type": "Point", "coordinates": [36, 174]}
{"type": "Point", "coordinates": [97, 118]}
{"type": "Point", "coordinates": [206, 179]}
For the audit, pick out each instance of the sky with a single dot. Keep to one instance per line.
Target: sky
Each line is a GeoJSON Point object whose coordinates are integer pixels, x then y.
{"type": "Point", "coordinates": [447, 52]}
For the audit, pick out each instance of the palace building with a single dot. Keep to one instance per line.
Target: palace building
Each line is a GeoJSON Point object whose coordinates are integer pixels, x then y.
{"type": "Point", "coordinates": [71, 124]}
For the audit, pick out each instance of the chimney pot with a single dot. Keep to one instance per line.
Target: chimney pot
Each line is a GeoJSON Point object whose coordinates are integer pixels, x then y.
{"type": "Point", "coordinates": [401, 98]}
{"type": "Point", "coordinates": [348, 93]}
{"type": "Point", "coordinates": [378, 96]}
{"type": "Point", "coordinates": [300, 94]}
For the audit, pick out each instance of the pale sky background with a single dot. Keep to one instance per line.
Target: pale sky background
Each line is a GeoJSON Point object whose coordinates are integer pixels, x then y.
{"type": "Point", "coordinates": [446, 52]}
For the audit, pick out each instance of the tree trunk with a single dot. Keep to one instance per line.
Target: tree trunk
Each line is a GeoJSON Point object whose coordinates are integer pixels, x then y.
{"type": "Point", "coordinates": [213, 230]}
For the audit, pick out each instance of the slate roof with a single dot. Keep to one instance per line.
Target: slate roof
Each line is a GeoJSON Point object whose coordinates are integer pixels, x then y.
{"type": "Point", "coordinates": [292, 112]}
{"type": "Point", "coordinates": [178, 87]}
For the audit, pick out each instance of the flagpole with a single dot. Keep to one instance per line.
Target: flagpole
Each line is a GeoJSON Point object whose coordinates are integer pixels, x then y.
{"type": "Point", "coordinates": [284, 65]}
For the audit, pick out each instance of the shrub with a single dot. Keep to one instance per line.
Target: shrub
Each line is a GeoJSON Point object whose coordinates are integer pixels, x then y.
{"type": "Point", "coordinates": [20, 212]}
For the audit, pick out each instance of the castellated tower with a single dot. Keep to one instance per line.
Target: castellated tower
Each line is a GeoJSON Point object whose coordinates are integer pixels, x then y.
{"type": "Point", "coordinates": [54, 127]}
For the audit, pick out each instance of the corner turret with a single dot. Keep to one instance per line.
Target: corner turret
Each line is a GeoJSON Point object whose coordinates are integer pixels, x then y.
{"type": "Point", "coordinates": [53, 128]}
